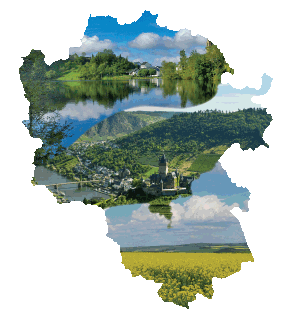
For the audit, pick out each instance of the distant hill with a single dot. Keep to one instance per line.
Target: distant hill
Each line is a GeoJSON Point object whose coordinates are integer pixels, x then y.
{"type": "Point", "coordinates": [121, 124]}
{"type": "Point", "coordinates": [201, 130]}
{"type": "Point", "coordinates": [193, 247]}
{"type": "Point", "coordinates": [178, 131]}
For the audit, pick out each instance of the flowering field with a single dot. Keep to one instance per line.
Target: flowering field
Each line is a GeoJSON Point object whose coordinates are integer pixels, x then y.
{"type": "Point", "coordinates": [184, 274]}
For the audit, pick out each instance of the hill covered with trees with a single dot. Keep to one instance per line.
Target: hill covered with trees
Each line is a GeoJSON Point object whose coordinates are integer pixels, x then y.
{"type": "Point", "coordinates": [186, 136]}
{"type": "Point", "coordinates": [200, 131]}
{"type": "Point", "coordinates": [121, 124]}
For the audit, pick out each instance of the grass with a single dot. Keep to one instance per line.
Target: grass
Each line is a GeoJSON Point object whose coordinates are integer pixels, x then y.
{"type": "Point", "coordinates": [204, 163]}
{"type": "Point", "coordinates": [73, 75]}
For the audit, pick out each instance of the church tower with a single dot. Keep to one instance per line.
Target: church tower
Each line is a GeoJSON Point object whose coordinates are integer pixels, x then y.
{"type": "Point", "coordinates": [163, 166]}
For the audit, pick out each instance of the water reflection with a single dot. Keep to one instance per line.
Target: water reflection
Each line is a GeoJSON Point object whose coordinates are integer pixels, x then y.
{"type": "Point", "coordinates": [71, 192]}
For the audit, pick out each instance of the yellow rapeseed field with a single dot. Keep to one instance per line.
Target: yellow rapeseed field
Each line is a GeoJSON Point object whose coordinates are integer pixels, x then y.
{"type": "Point", "coordinates": [184, 274]}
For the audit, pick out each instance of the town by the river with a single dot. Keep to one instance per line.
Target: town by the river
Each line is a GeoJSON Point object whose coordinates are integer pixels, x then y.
{"type": "Point", "coordinates": [100, 182]}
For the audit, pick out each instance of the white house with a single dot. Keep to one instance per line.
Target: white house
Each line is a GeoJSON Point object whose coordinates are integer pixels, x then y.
{"type": "Point", "coordinates": [133, 72]}
{"type": "Point", "coordinates": [146, 65]}
{"type": "Point", "coordinates": [158, 69]}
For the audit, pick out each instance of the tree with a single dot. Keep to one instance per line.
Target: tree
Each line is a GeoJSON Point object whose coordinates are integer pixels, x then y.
{"type": "Point", "coordinates": [143, 72]}
{"type": "Point", "coordinates": [85, 71]}
{"type": "Point", "coordinates": [85, 201]}
{"type": "Point", "coordinates": [152, 71]}
{"type": "Point", "coordinates": [50, 74]}
{"type": "Point", "coordinates": [102, 69]}
{"type": "Point", "coordinates": [38, 92]}
{"type": "Point", "coordinates": [34, 66]}
{"type": "Point", "coordinates": [216, 58]}
{"type": "Point", "coordinates": [92, 70]}
{"type": "Point", "coordinates": [169, 70]}
{"type": "Point", "coordinates": [183, 63]}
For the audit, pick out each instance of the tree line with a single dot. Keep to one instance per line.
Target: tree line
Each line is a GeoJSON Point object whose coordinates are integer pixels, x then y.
{"type": "Point", "coordinates": [196, 67]}
{"type": "Point", "coordinates": [208, 66]}
{"type": "Point", "coordinates": [103, 64]}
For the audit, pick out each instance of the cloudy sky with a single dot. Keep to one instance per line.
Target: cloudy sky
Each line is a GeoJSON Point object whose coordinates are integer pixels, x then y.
{"type": "Point", "coordinates": [203, 217]}
{"type": "Point", "coordinates": [142, 40]}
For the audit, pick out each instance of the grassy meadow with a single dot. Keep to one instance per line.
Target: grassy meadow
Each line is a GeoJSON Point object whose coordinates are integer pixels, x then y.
{"type": "Point", "coordinates": [183, 274]}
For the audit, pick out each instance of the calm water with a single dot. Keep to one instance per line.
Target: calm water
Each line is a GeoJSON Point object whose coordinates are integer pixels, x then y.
{"type": "Point", "coordinates": [45, 176]}
{"type": "Point", "coordinates": [80, 105]}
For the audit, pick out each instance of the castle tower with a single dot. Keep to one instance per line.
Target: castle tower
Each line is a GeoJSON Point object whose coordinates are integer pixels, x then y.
{"type": "Point", "coordinates": [163, 166]}
{"type": "Point", "coordinates": [161, 183]}
{"type": "Point", "coordinates": [177, 177]}
{"type": "Point", "coordinates": [177, 173]}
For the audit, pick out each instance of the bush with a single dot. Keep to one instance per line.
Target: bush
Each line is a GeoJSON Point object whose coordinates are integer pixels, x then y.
{"type": "Point", "coordinates": [94, 201]}
{"type": "Point", "coordinates": [85, 201]}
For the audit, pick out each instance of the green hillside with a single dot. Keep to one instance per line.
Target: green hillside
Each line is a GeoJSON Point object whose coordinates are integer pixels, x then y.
{"type": "Point", "coordinates": [186, 138]}
{"type": "Point", "coordinates": [121, 124]}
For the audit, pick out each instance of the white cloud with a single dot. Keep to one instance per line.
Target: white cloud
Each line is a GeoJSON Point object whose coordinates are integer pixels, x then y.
{"type": "Point", "coordinates": [183, 39]}
{"type": "Point", "coordinates": [92, 45]}
{"type": "Point", "coordinates": [82, 111]}
{"type": "Point", "coordinates": [138, 60]}
{"type": "Point", "coordinates": [202, 218]}
{"type": "Point", "coordinates": [202, 209]}
{"type": "Point", "coordinates": [197, 210]}
{"type": "Point", "coordinates": [246, 206]}
{"type": "Point", "coordinates": [145, 41]}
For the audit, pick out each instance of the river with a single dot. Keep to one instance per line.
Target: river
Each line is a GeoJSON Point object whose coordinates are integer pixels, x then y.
{"type": "Point", "coordinates": [45, 176]}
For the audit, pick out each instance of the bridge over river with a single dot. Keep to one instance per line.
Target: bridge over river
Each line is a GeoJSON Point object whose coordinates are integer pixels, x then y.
{"type": "Point", "coordinates": [56, 185]}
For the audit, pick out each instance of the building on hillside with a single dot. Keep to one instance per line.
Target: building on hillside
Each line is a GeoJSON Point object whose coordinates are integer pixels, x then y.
{"type": "Point", "coordinates": [145, 65]}
{"type": "Point", "coordinates": [167, 183]}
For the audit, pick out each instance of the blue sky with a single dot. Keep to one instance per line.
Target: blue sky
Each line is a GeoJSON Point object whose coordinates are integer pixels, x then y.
{"type": "Point", "coordinates": [142, 40]}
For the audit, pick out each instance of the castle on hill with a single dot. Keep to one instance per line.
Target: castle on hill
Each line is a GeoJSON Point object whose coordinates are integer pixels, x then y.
{"type": "Point", "coordinates": [167, 183]}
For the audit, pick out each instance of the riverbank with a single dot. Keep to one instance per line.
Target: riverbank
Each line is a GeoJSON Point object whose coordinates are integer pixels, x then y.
{"type": "Point", "coordinates": [60, 198]}
{"type": "Point", "coordinates": [75, 76]}
{"type": "Point", "coordinates": [66, 192]}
